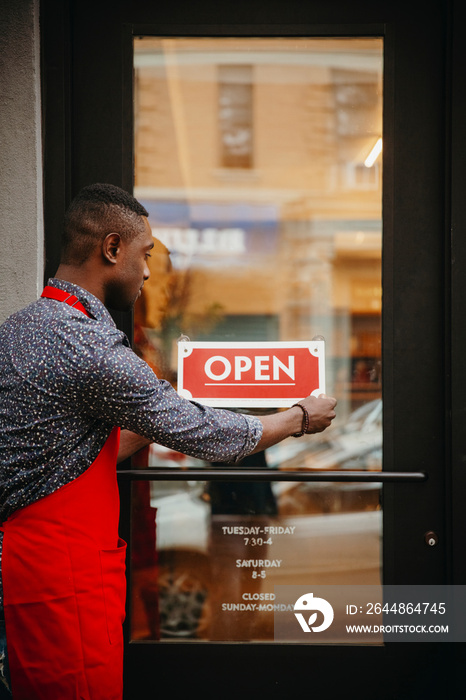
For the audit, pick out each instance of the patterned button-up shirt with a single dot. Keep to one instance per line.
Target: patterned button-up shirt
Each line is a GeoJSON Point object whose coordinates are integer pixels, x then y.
{"type": "Point", "coordinates": [67, 379]}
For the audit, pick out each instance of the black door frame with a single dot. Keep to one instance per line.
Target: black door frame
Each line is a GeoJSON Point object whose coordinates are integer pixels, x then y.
{"type": "Point", "coordinates": [456, 177]}
{"type": "Point", "coordinates": [87, 79]}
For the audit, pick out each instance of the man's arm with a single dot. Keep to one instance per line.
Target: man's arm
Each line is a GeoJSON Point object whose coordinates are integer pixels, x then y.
{"type": "Point", "coordinates": [130, 443]}
{"type": "Point", "coordinates": [276, 427]}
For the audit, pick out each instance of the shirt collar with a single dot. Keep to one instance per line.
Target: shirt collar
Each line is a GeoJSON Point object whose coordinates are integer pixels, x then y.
{"type": "Point", "coordinates": [93, 305]}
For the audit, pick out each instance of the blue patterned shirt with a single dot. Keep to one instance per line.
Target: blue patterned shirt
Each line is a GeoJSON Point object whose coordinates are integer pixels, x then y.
{"type": "Point", "coordinates": [67, 379]}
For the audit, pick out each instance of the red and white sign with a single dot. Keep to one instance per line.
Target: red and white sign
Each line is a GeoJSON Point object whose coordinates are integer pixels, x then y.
{"type": "Point", "coordinates": [251, 374]}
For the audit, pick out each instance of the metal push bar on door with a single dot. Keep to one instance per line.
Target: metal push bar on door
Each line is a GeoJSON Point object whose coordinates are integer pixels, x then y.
{"type": "Point", "coordinates": [154, 474]}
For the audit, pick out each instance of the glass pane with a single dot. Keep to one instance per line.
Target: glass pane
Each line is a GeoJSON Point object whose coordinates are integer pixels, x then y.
{"type": "Point", "coordinates": [259, 162]}
{"type": "Point", "coordinates": [222, 547]}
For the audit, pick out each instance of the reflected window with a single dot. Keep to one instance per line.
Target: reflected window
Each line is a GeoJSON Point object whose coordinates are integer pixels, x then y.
{"type": "Point", "coordinates": [235, 116]}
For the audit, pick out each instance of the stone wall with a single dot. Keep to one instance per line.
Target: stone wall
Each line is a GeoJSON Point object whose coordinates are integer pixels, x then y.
{"type": "Point", "coordinates": [21, 209]}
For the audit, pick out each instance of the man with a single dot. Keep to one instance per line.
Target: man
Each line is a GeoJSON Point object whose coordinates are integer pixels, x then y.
{"type": "Point", "coordinates": [68, 383]}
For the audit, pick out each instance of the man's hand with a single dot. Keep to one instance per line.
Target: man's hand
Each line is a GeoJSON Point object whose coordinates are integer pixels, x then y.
{"type": "Point", "coordinates": [321, 412]}
{"type": "Point", "coordinates": [279, 426]}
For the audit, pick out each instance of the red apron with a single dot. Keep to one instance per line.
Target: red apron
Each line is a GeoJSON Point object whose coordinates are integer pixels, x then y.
{"type": "Point", "coordinates": [63, 569]}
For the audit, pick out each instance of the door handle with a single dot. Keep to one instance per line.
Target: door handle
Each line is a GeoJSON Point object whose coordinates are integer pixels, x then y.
{"type": "Point", "coordinates": [156, 474]}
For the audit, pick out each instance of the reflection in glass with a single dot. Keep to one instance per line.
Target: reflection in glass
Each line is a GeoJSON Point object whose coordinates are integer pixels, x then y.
{"type": "Point", "coordinates": [223, 546]}
{"type": "Point", "coordinates": [251, 159]}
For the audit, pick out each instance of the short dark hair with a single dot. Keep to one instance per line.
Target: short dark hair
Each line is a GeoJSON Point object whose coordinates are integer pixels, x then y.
{"type": "Point", "coordinates": [95, 212]}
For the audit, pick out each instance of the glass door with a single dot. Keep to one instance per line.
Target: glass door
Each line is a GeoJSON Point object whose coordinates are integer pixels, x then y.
{"type": "Point", "coordinates": [245, 130]}
{"type": "Point", "coordinates": [259, 161]}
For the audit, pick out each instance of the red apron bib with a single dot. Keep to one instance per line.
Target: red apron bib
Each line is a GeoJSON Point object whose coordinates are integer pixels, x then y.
{"type": "Point", "coordinates": [63, 569]}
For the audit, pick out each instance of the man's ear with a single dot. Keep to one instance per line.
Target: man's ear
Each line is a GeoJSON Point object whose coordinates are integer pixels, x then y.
{"type": "Point", "coordinates": [111, 247]}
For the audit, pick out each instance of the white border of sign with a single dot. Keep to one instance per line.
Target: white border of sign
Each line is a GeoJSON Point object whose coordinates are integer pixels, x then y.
{"type": "Point", "coordinates": [185, 348]}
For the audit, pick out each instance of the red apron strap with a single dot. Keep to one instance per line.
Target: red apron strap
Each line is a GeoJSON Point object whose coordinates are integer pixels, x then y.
{"type": "Point", "coordinates": [60, 295]}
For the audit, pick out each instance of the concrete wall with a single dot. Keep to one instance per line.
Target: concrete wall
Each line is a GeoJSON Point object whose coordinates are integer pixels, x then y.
{"type": "Point", "coordinates": [21, 211]}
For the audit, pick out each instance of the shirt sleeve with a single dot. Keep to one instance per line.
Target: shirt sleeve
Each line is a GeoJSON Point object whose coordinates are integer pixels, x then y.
{"type": "Point", "coordinates": [124, 389]}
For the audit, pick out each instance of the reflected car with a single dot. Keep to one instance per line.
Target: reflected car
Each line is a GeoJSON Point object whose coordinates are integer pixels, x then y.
{"type": "Point", "coordinates": [355, 445]}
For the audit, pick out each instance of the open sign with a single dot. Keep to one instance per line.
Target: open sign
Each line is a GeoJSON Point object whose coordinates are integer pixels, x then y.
{"type": "Point", "coordinates": [251, 374]}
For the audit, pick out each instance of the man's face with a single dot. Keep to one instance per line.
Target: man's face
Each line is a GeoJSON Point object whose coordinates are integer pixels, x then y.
{"type": "Point", "coordinates": [131, 270]}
